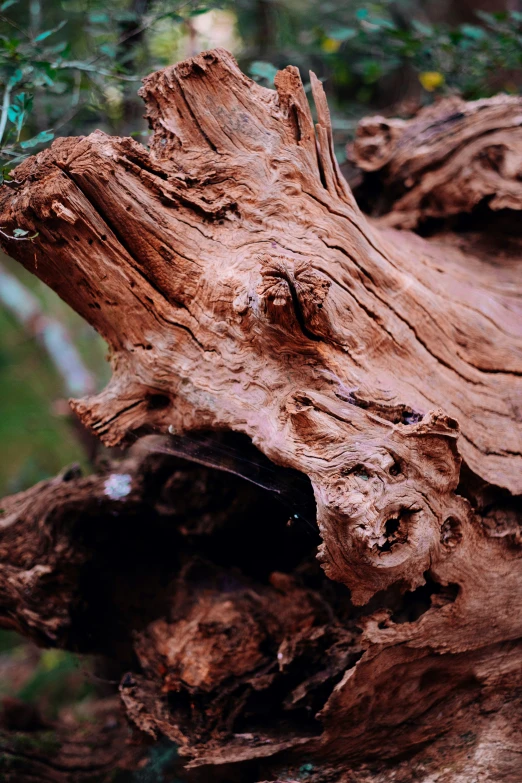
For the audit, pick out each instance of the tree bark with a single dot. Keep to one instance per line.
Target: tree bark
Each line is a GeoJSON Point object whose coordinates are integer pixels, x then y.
{"type": "Point", "coordinates": [241, 290]}
{"type": "Point", "coordinates": [450, 158]}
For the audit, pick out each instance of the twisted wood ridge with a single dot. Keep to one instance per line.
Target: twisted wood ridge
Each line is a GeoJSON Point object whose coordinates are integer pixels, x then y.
{"type": "Point", "coordinates": [446, 160]}
{"type": "Point", "coordinates": [240, 288]}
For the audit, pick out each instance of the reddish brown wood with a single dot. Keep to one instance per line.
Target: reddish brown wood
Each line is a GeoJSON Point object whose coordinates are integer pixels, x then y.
{"type": "Point", "coordinates": [446, 160]}
{"type": "Point", "coordinates": [240, 288]}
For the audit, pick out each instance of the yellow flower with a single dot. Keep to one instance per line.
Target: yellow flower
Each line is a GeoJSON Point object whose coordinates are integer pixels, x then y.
{"type": "Point", "coordinates": [330, 45]}
{"type": "Point", "coordinates": [430, 80]}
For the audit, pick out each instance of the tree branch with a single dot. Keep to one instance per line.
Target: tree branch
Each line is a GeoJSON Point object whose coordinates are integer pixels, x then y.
{"type": "Point", "coordinates": [49, 332]}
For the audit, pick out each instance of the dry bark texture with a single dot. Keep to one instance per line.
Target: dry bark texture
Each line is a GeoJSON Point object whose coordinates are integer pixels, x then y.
{"type": "Point", "coordinates": [241, 289]}
{"type": "Point", "coordinates": [446, 160]}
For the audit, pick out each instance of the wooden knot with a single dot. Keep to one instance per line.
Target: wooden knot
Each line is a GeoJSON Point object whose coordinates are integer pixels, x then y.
{"type": "Point", "coordinates": [374, 143]}
{"type": "Point", "coordinates": [292, 293]}
{"type": "Point", "coordinates": [274, 289]}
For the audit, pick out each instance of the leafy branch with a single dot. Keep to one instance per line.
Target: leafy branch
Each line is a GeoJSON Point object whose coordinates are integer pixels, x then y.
{"type": "Point", "coordinates": [37, 66]}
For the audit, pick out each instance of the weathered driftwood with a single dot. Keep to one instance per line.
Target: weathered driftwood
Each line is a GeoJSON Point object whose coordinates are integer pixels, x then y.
{"type": "Point", "coordinates": [241, 289]}
{"type": "Point", "coordinates": [446, 160]}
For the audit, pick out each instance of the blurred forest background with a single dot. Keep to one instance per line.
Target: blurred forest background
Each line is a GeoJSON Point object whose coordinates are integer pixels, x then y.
{"type": "Point", "coordinates": [68, 67]}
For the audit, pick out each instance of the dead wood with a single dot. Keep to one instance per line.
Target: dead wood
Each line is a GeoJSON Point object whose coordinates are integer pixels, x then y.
{"type": "Point", "coordinates": [446, 160]}
{"type": "Point", "coordinates": [241, 290]}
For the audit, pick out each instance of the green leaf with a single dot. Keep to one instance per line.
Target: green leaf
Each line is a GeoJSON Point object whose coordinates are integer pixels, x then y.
{"type": "Point", "coordinates": [41, 138]}
{"type": "Point", "coordinates": [14, 162]}
{"type": "Point", "coordinates": [125, 16]}
{"type": "Point", "coordinates": [7, 4]}
{"type": "Point", "coordinates": [422, 28]}
{"type": "Point", "coordinates": [99, 18]}
{"type": "Point", "coordinates": [5, 175]}
{"type": "Point", "coordinates": [472, 31]}
{"type": "Point", "coordinates": [378, 21]}
{"type": "Point", "coordinates": [44, 73]}
{"type": "Point", "coordinates": [342, 34]}
{"type": "Point", "coordinates": [109, 50]}
{"type": "Point", "coordinates": [47, 33]}
{"type": "Point", "coordinates": [175, 17]}
{"type": "Point", "coordinates": [18, 111]}
{"type": "Point", "coordinates": [485, 16]}
{"type": "Point", "coordinates": [492, 19]}
{"type": "Point", "coordinates": [361, 13]}
{"type": "Point", "coordinates": [263, 70]}
{"type": "Point", "coordinates": [11, 45]}
{"type": "Point", "coordinates": [57, 48]}
{"type": "Point", "coordinates": [16, 77]}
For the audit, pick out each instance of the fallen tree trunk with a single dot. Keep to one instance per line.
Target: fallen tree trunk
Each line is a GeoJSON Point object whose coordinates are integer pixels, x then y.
{"type": "Point", "coordinates": [446, 161]}
{"type": "Point", "coordinates": [241, 290]}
